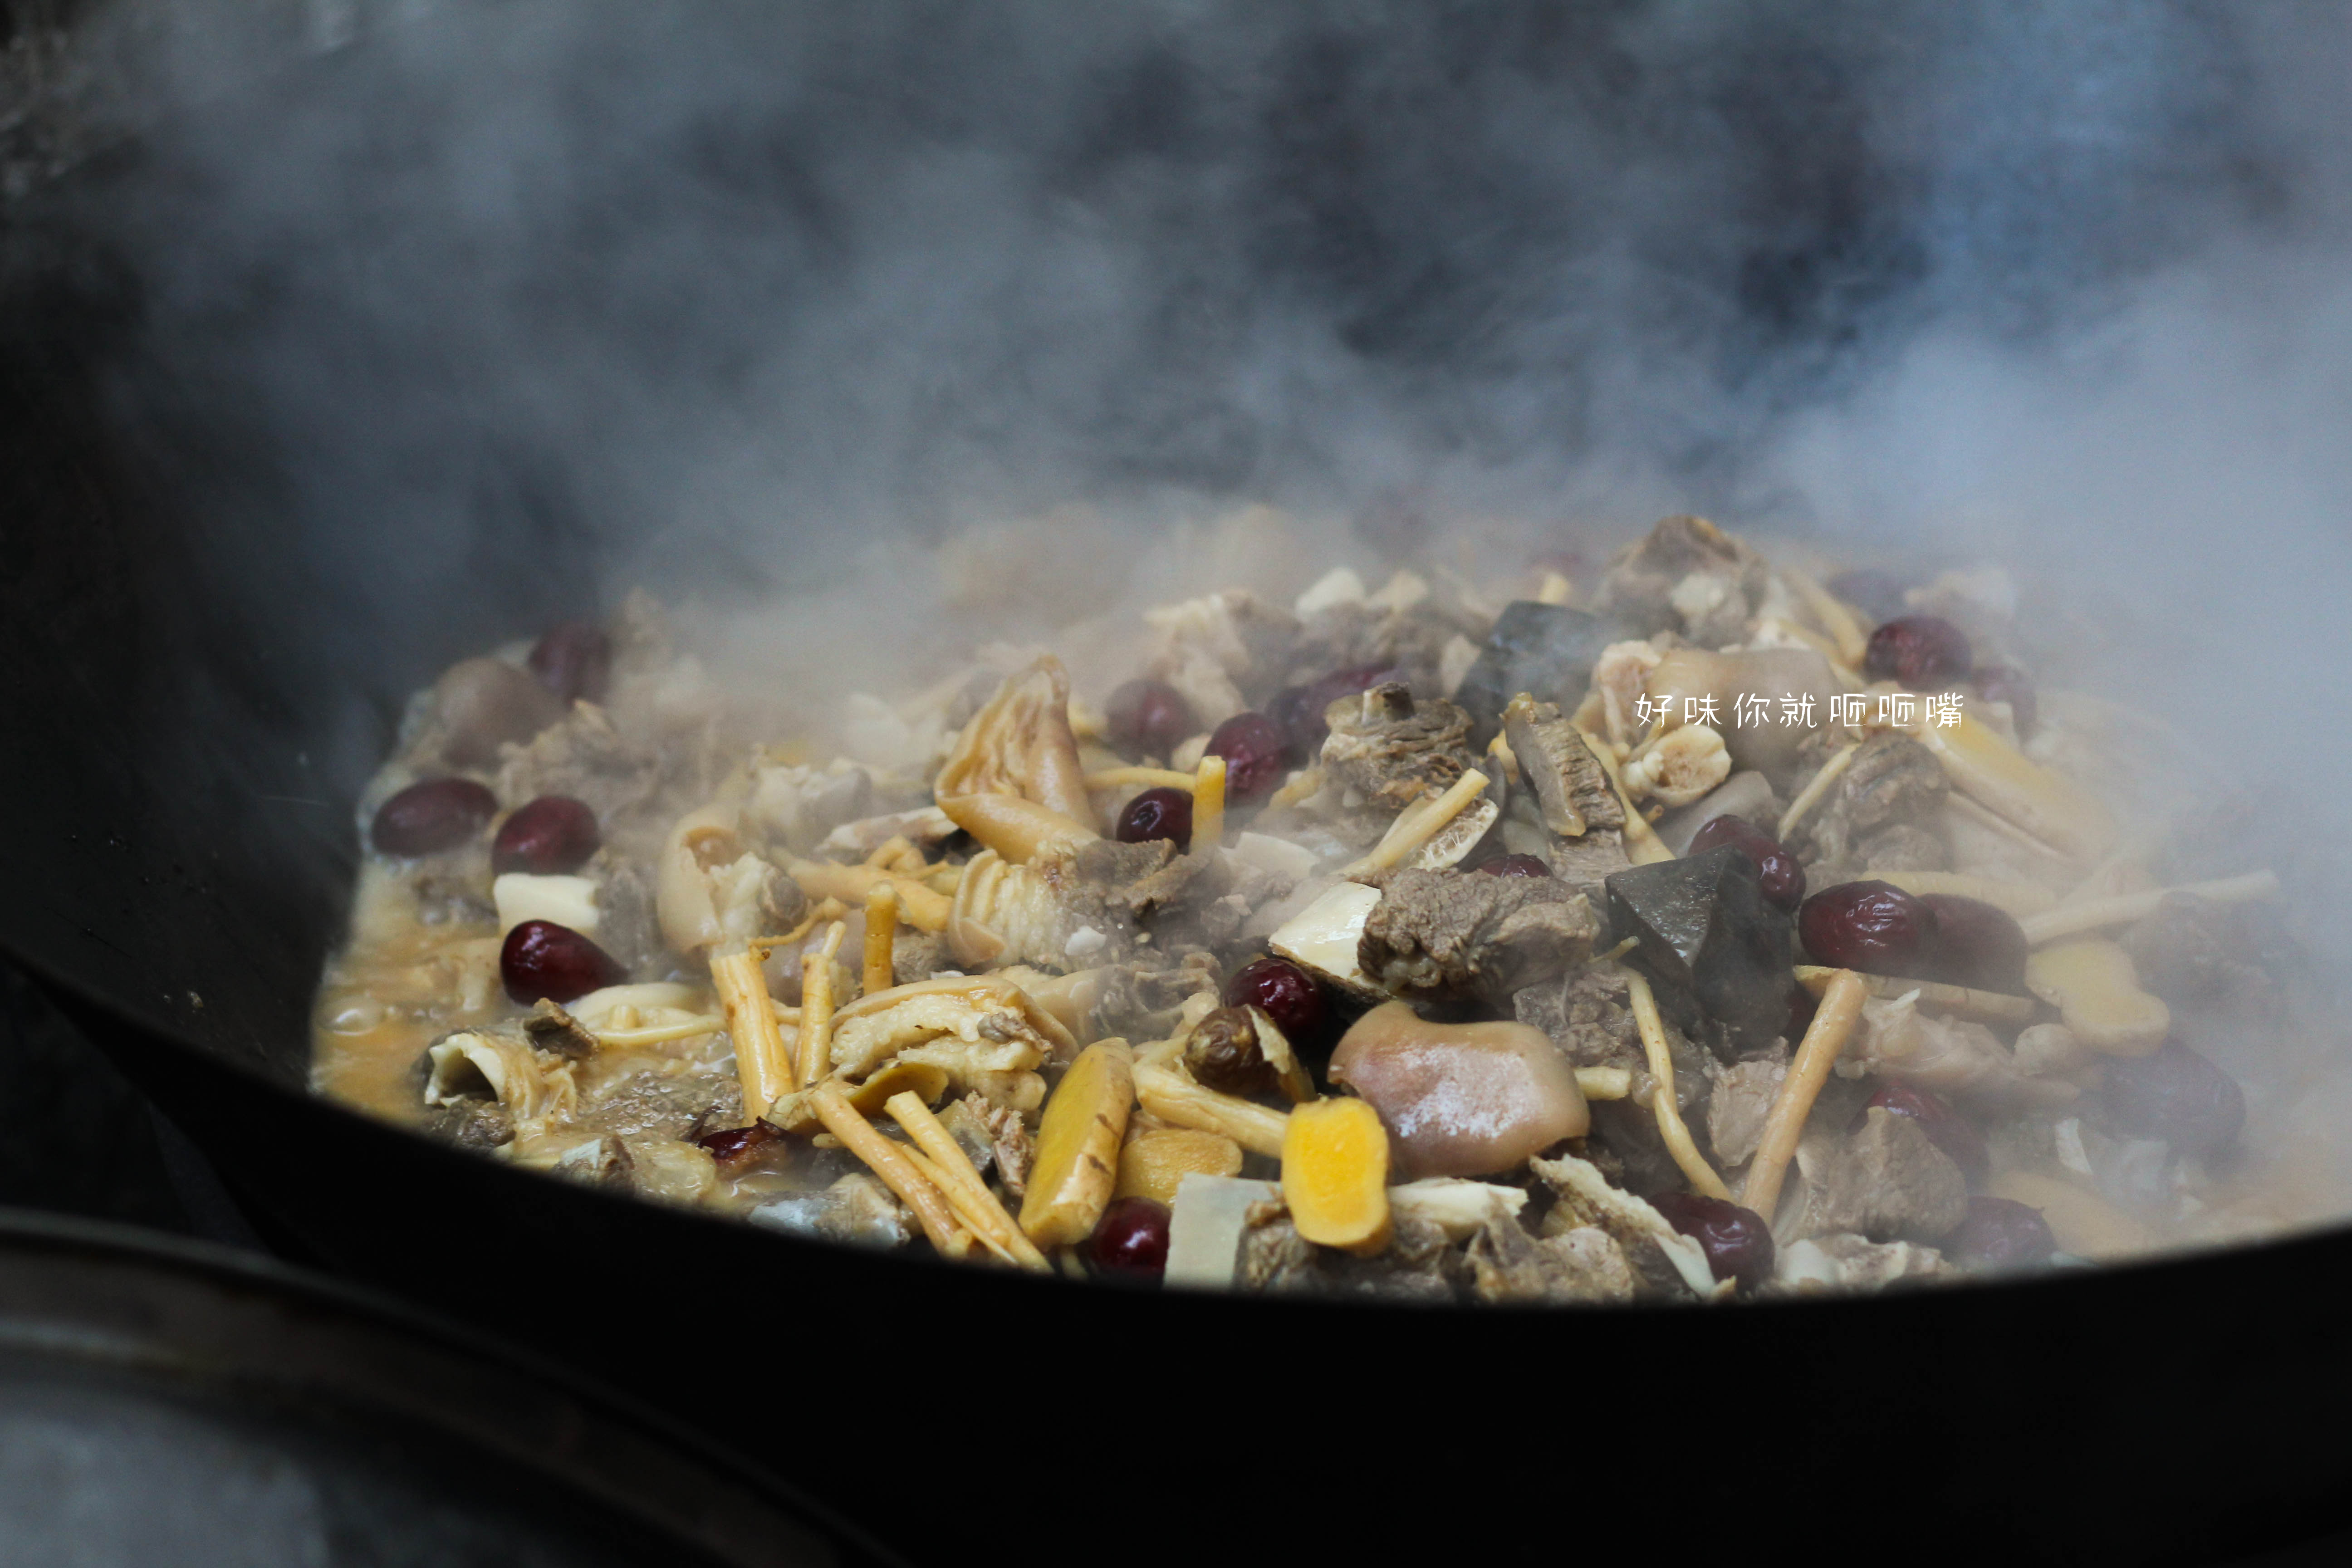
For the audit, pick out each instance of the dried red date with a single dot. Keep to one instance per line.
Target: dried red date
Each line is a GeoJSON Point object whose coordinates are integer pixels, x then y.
{"type": "Point", "coordinates": [427, 819]}
{"type": "Point", "coordinates": [574, 660]}
{"type": "Point", "coordinates": [737, 1148]}
{"type": "Point", "coordinates": [1738, 1242]}
{"type": "Point", "coordinates": [1255, 755]}
{"type": "Point", "coordinates": [1874, 926]}
{"type": "Point", "coordinates": [1516, 866]}
{"type": "Point", "coordinates": [1959, 1138]}
{"type": "Point", "coordinates": [1284, 993]}
{"type": "Point", "coordinates": [2175, 1095]}
{"type": "Point", "coordinates": [1299, 709]}
{"type": "Point", "coordinates": [2000, 1234]}
{"type": "Point", "coordinates": [1130, 1240]}
{"type": "Point", "coordinates": [1918, 651]}
{"type": "Point", "coordinates": [1158, 813]}
{"type": "Point", "coordinates": [1148, 717]}
{"type": "Point", "coordinates": [541, 959]}
{"type": "Point", "coordinates": [1976, 943]}
{"type": "Point", "coordinates": [550, 836]}
{"type": "Point", "coordinates": [1782, 874]}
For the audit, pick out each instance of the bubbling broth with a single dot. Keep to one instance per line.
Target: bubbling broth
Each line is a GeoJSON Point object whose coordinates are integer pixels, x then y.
{"type": "Point", "coordinates": [1704, 922]}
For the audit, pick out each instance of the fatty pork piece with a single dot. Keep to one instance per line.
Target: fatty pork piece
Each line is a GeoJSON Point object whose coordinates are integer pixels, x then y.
{"type": "Point", "coordinates": [1450, 934]}
{"type": "Point", "coordinates": [1883, 811]}
{"type": "Point", "coordinates": [1572, 789]}
{"type": "Point", "coordinates": [1393, 751]}
{"type": "Point", "coordinates": [1707, 936]}
{"type": "Point", "coordinates": [1688, 575]}
{"type": "Point", "coordinates": [1888, 1181]}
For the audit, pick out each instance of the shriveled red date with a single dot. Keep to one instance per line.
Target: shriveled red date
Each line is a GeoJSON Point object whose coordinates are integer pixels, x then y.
{"type": "Point", "coordinates": [1148, 717]}
{"type": "Point", "coordinates": [1515, 866]}
{"type": "Point", "coordinates": [739, 1148]}
{"type": "Point", "coordinates": [427, 819]}
{"type": "Point", "coordinates": [1256, 756]}
{"type": "Point", "coordinates": [1130, 1240]}
{"type": "Point", "coordinates": [1158, 813]}
{"type": "Point", "coordinates": [1874, 926]}
{"type": "Point", "coordinates": [1738, 1242]}
{"type": "Point", "coordinates": [574, 660]}
{"type": "Point", "coordinates": [1976, 943]}
{"type": "Point", "coordinates": [1999, 1234]}
{"type": "Point", "coordinates": [2175, 1095]}
{"type": "Point", "coordinates": [1781, 873]}
{"type": "Point", "coordinates": [547, 837]}
{"type": "Point", "coordinates": [541, 959]}
{"type": "Point", "coordinates": [1918, 651]}
{"type": "Point", "coordinates": [1286, 994]}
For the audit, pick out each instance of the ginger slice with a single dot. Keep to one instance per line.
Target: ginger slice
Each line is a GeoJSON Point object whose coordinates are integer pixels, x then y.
{"type": "Point", "coordinates": [2095, 988]}
{"type": "Point", "coordinates": [1784, 1124]}
{"type": "Point", "coordinates": [1154, 1163]}
{"type": "Point", "coordinates": [1335, 1175]}
{"type": "Point", "coordinates": [1679, 1142]}
{"type": "Point", "coordinates": [1078, 1146]}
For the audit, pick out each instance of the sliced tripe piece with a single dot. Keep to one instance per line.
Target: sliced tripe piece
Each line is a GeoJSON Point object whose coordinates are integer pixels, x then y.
{"type": "Point", "coordinates": [1204, 1229]}
{"type": "Point", "coordinates": [1571, 785]}
{"type": "Point", "coordinates": [1322, 939]}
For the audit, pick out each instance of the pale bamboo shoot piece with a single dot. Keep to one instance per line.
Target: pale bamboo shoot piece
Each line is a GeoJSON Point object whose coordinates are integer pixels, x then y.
{"type": "Point", "coordinates": [1208, 804]}
{"type": "Point", "coordinates": [816, 1007]}
{"type": "Point", "coordinates": [1419, 822]}
{"type": "Point", "coordinates": [966, 1192]}
{"type": "Point", "coordinates": [1178, 1101]}
{"type": "Point", "coordinates": [2071, 919]}
{"type": "Point", "coordinates": [1819, 785]}
{"type": "Point", "coordinates": [761, 1061]}
{"type": "Point", "coordinates": [881, 938]}
{"type": "Point", "coordinates": [1784, 1124]}
{"type": "Point", "coordinates": [1163, 778]}
{"type": "Point", "coordinates": [888, 1161]}
{"type": "Point", "coordinates": [1679, 1142]}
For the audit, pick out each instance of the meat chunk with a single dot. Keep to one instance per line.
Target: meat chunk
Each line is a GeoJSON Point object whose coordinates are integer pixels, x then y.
{"type": "Point", "coordinates": [1888, 1181]}
{"type": "Point", "coordinates": [1586, 1015]}
{"type": "Point", "coordinates": [1586, 864]}
{"type": "Point", "coordinates": [1567, 779]}
{"type": "Point", "coordinates": [1903, 847]}
{"type": "Point", "coordinates": [551, 1029]}
{"type": "Point", "coordinates": [657, 1103]}
{"type": "Point", "coordinates": [1582, 1266]}
{"type": "Point", "coordinates": [1393, 751]}
{"type": "Point", "coordinates": [1741, 1096]}
{"type": "Point", "coordinates": [1892, 781]}
{"type": "Point", "coordinates": [1666, 1264]}
{"type": "Point", "coordinates": [1951, 1055]}
{"type": "Point", "coordinates": [634, 785]}
{"type": "Point", "coordinates": [1846, 1262]}
{"type": "Point", "coordinates": [1447, 933]}
{"type": "Point", "coordinates": [856, 1210]}
{"type": "Point", "coordinates": [1275, 1258]}
{"type": "Point", "coordinates": [1223, 650]}
{"type": "Point", "coordinates": [1686, 575]}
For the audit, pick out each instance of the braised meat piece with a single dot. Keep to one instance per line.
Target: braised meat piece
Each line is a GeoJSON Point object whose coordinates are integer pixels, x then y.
{"type": "Point", "coordinates": [1892, 782]}
{"type": "Point", "coordinates": [551, 1029]}
{"type": "Point", "coordinates": [1585, 1015]}
{"type": "Point", "coordinates": [1276, 1259]}
{"type": "Point", "coordinates": [1741, 1098]}
{"type": "Point", "coordinates": [1393, 751]}
{"type": "Point", "coordinates": [1446, 933]}
{"type": "Point", "coordinates": [663, 1105]}
{"type": "Point", "coordinates": [1889, 1182]}
{"type": "Point", "coordinates": [1580, 1267]}
{"type": "Point", "coordinates": [1586, 864]}
{"type": "Point", "coordinates": [1688, 576]}
{"type": "Point", "coordinates": [1569, 781]}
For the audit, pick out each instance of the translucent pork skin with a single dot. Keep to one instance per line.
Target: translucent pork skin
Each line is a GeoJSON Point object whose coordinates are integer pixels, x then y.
{"type": "Point", "coordinates": [1460, 1099]}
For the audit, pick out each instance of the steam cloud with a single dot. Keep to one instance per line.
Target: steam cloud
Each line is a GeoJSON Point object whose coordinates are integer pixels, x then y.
{"type": "Point", "coordinates": [717, 299]}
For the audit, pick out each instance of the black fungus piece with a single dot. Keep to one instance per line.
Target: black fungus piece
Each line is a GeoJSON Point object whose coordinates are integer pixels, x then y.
{"type": "Point", "coordinates": [1702, 927]}
{"type": "Point", "coordinates": [1545, 650]}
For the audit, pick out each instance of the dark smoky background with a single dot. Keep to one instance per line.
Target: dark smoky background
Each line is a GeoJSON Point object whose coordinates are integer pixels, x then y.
{"type": "Point", "coordinates": [606, 293]}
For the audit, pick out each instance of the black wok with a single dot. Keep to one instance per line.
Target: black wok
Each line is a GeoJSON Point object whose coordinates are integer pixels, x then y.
{"type": "Point", "coordinates": [177, 778]}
